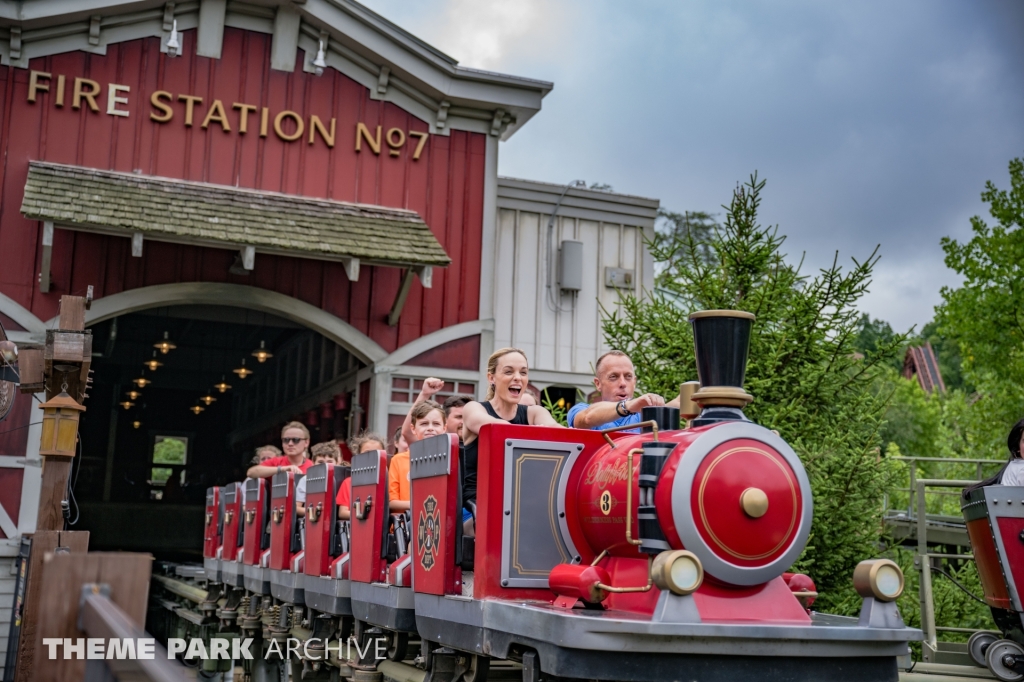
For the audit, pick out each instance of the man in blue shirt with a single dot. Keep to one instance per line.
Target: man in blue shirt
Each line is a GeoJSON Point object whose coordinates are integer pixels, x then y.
{"type": "Point", "coordinates": [616, 381]}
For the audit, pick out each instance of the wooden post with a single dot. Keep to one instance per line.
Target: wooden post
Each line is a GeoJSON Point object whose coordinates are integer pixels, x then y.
{"type": "Point", "coordinates": [43, 543]}
{"type": "Point", "coordinates": [66, 360]}
{"type": "Point", "coordinates": [62, 364]}
{"type": "Point", "coordinates": [127, 575]}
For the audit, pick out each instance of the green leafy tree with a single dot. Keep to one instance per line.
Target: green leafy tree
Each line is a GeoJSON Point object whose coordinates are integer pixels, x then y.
{"type": "Point", "coordinates": [874, 336]}
{"type": "Point", "coordinates": [675, 229]}
{"type": "Point", "coordinates": [913, 419]}
{"type": "Point", "coordinates": [169, 451]}
{"type": "Point", "coordinates": [985, 315]}
{"type": "Point", "coordinates": [803, 373]}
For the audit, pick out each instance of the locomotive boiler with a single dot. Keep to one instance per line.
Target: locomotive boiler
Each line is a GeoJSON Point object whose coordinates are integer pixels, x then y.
{"type": "Point", "coordinates": [657, 554]}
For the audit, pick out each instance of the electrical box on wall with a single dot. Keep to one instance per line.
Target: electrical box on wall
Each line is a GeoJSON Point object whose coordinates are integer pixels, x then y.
{"type": "Point", "coordinates": [618, 278]}
{"type": "Point", "coordinates": [570, 265]}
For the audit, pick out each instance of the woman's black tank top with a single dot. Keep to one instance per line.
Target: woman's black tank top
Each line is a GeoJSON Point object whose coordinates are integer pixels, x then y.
{"type": "Point", "coordinates": [469, 454]}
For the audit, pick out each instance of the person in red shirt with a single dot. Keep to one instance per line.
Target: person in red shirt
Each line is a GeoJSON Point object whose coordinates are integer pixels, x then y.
{"type": "Point", "coordinates": [365, 442]}
{"type": "Point", "coordinates": [295, 441]}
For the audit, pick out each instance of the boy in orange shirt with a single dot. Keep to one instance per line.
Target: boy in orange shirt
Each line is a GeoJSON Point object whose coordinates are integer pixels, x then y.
{"type": "Point", "coordinates": [427, 420]}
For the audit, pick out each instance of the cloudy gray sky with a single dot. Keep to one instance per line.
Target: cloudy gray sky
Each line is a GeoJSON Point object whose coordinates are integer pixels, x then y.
{"type": "Point", "coordinates": [873, 122]}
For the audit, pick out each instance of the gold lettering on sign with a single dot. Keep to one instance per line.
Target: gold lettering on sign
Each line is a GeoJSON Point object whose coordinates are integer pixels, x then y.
{"type": "Point", "coordinates": [300, 127]}
{"type": "Point", "coordinates": [216, 113]}
{"type": "Point", "coordinates": [395, 142]}
{"type": "Point", "coordinates": [113, 100]}
{"type": "Point", "coordinates": [162, 110]}
{"type": "Point", "coordinates": [190, 104]}
{"type": "Point", "coordinates": [419, 145]}
{"type": "Point", "coordinates": [168, 113]}
{"type": "Point", "coordinates": [79, 93]}
{"type": "Point", "coordinates": [316, 125]}
{"type": "Point", "coordinates": [35, 86]}
{"type": "Point", "coordinates": [243, 116]}
{"type": "Point", "coordinates": [362, 132]}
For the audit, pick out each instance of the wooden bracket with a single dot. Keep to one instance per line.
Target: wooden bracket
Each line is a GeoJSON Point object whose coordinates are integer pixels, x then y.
{"type": "Point", "coordinates": [426, 275]}
{"type": "Point", "coordinates": [382, 80]}
{"type": "Point", "coordinates": [248, 257]}
{"type": "Point", "coordinates": [403, 293]}
{"type": "Point", "coordinates": [137, 244]}
{"type": "Point", "coordinates": [351, 268]}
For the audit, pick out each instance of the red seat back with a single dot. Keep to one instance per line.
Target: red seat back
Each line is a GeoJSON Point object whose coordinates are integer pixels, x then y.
{"type": "Point", "coordinates": [284, 526]}
{"type": "Point", "coordinates": [257, 512]}
{"type": "Point", "coordinates": [232, 537]}
{"type": "Point", "coordinates": [322, 482]}
{"type": "Point", "coordinates": [436, 514]}
{"type": "Point", "coordinates": [214, 529]}
{"type": "Point", "coordinates": [369, 516]}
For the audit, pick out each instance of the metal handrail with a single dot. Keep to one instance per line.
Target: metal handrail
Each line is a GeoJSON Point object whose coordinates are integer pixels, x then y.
{"type": "Point", "coordinates": [100, 617]}
{"type": "Point", "coordinates": [912, 490]}
{"type": "Point", "coordinates": [965, 460]}
{"type": "Point", "coordinates": [924, 556]}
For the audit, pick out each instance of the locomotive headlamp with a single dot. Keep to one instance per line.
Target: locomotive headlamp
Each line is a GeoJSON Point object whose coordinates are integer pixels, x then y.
{"type": "Point", "coordinates": [878, 578]}
{"type": "Point", "coordinates": [678, 571]}
{"type": "Point", "coordinates": [60, 426]}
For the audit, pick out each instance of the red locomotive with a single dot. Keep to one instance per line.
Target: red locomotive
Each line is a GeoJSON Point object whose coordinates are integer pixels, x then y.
{"type": "Point", "coordinates": [598, 555]}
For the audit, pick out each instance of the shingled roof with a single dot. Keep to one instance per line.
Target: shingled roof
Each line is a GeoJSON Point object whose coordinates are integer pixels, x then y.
{"type": "Point", "coordinates": [164, 209]}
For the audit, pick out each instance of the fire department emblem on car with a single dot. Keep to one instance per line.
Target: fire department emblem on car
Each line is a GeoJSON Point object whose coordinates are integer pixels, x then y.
{"type": "Point", "coordinates": [427, 532]}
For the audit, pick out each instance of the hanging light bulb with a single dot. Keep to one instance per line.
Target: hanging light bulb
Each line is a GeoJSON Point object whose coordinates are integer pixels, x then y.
{"type": "Point", "coordinates": [173, 45]}
{"type": "Point", "coordinates": [320, 63]}
{"type": "Point", "coordinates": [262, 354]}
{"type": "Point", "coordinates": [136, 424]}
{"type": "Point", "coordinates": [243, 371]}
{"type": "Point", "coordinates": [196, 409]}
{"type": "Point", "coordinates": [223, 386]}
{"type": "Point", "coordinates": [127, 404]}
{"type": "Point", "coordinates": [141, 382]}
{"type": "Point", "coordinates": [166, 345]}
{"type": "Point", "coordinates": [153, 364]}
{"type": "Point", "coordinates": [132, 395]}
{"type": "Point", "coordinates": [207, 399]}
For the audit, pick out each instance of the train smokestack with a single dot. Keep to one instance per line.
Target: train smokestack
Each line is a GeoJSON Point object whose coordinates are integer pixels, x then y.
{"type": "Point", "coordinates": [721, 342]}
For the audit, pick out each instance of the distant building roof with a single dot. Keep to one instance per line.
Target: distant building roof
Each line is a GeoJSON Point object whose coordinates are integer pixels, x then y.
{"type": "Point", "coordinates": [920, 361]}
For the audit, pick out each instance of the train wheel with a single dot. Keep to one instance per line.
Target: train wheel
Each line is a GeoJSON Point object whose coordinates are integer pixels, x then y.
{"type": "Point", "coordinates": [1005, 659]}
{"type": "Point", "coordinates": [479, 666]}
{"type": "Point", "coordinates": [398, 646]}
{"type": "Point", "coordinates": [978, 644]}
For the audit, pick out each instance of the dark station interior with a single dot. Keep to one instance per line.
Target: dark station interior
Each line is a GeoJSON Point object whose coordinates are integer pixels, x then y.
{"type": "Point", "coordinates": [135, 492]}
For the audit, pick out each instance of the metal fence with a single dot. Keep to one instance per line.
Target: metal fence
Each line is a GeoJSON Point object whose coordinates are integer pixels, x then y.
{"type": "Point", "coordinates": [918, 524]}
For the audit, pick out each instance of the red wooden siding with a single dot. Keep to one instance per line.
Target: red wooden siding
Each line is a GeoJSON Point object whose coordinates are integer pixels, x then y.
{"type": "Point", "coordinates": [458, 354]}
{"type": "Point", "coordinates": [14, 429]}
{"type": "Point", "coordinates": [445, 186]}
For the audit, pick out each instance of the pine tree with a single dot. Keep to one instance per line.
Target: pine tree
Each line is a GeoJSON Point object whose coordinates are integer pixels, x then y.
{"type": "Point", "coordinates": [807, 380]}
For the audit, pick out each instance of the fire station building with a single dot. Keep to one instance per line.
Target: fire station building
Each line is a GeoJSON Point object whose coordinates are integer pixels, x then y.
{"type": "Point", "coordinates": [284, 210]}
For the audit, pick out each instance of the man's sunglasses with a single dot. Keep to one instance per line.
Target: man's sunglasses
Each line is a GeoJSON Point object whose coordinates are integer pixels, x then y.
{"type": "Point", "coordinates": [290, 441]}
